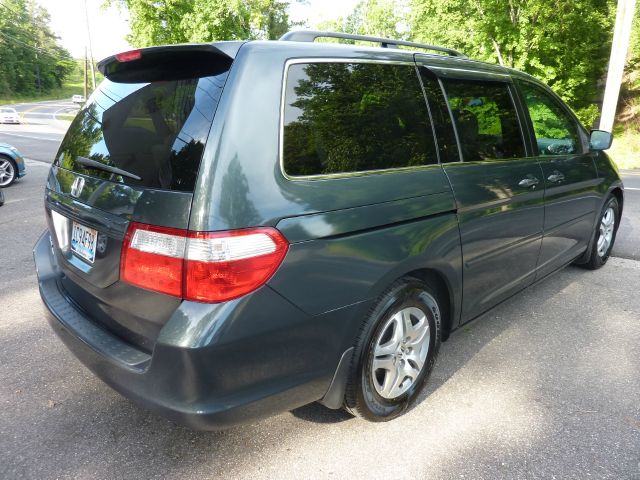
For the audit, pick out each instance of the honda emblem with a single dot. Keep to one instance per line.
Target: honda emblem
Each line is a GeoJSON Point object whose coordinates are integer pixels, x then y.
{"type": "Point", "coordinates": [77, 186]}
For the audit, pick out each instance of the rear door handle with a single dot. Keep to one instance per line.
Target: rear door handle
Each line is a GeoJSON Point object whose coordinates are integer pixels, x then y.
{"type": "Point", "coordinates": [530, 181]}
{"type": "Point", "coordinates": [556, 177]}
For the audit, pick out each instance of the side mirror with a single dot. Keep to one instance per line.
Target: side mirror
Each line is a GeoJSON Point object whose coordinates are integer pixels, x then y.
{"type": "Point", "coordinates": [600, 140]}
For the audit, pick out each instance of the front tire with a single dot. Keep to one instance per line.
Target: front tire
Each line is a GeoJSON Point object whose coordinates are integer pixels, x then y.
{"type": "Point", "coordinates": [395, 351]}
{"type": "Point", "coordinates": [605, 234]}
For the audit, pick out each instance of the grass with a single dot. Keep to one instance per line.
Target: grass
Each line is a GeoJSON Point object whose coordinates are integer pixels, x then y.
{"type": "Point", "coordinates": [65, 116]}
{"type": "Point", "coordinates": [73, 85]}
{"type": "Point", "coordinates": [625, 150]}
{"type": "Point", "coordinates": [64, 92]}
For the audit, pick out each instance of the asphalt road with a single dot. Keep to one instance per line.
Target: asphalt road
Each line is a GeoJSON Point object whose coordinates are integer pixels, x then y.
{"type": "Point", "coordinates": [41, 130]}
{"type": "Point", "coordinates": [628, 238]}
{"type": "Point", "coordinates": [546, 385]}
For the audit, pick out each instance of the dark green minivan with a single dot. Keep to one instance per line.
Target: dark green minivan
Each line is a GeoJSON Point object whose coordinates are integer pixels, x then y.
{"type": "Point", "coordinates": [240, 228]}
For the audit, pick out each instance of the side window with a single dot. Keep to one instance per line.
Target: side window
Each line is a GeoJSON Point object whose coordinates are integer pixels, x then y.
{"type": "Point", "coordinates": [486, 120]}
{"type": "Point", "coordinates": [352, 117]}
{"type": "Point", "coordinates": [555, 130]}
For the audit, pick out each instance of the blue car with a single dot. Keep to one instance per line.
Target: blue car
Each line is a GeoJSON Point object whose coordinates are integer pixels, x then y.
{"type": "Point", "coordinates": [12, 165]}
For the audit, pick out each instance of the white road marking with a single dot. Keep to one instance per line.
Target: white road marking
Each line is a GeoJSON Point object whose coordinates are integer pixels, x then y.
{"type": "Point", "coordinates": [61, 122]}
{"type": "Point", "coordinates": [39, 105]}
{"type": "Point", "coordinates": [45, 114]}
{"type": "Point", "coordinates": [36, 163]}
{"type": "Point", "coordinates": [631, 188]}
{"type": "Point", "coordinates": [33, 137]}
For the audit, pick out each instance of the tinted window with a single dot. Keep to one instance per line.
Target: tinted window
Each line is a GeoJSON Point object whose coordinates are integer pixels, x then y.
{"type": "Point", "coordinates": [555, 130]}
{"type": "Point", "coordinates": [443, 126]}
{"type": "Point", "coordinates": [349, 117]}
{"type": "Point", "coordinates": [155, 130]}
{"type": "Point", "coordinates": [486, 120]}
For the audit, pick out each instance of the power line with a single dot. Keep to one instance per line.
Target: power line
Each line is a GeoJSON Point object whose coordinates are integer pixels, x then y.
{"type": "Point", "coordinates": [26, 33]}
{"type": "Point", "coordinates": [35, 49]}
{"type": "Point", "coordinates": [32, 35]}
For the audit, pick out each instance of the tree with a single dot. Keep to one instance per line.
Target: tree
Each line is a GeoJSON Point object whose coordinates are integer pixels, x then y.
{"type": "Point", "coordinates": [384, 18]}
{"type": "Point", "coordinates": [31, 59]}
{"type": "Point", "coordinates": [565, 44]}
{"type": "Point", "coordinates": [181, 21]}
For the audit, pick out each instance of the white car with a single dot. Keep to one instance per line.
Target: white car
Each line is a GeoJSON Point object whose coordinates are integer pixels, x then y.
{"type": "Point", "coordinates": [79, 99]}
{"type": "Point", "coordinates": [9, 115]}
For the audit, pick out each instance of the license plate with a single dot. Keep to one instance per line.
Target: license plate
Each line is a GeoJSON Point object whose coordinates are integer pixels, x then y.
{"type": "Point", "coordinates": [83, 241]}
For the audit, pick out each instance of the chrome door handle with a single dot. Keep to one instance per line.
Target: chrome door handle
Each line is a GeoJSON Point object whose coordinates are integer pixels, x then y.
{"type": "Point", "coordinates": [530, 181]}
{"type": "Point", "coordinates": [556, 177]}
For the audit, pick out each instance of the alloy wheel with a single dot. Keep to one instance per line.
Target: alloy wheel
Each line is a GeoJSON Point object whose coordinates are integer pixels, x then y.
{"type": "Point", "coordinates": [607, 225]}
{"type": "Point", "coordinates": [400, 352]}
{"type": "Point", "coordinates": [7, 172]}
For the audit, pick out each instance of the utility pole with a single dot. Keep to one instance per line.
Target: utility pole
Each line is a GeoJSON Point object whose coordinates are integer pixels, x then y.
{"type": "Point", "coordinates": [85, 73]}
{"type": "Point", "coordinates": [619, 47]}
{"type": "Point", "coordinates": [93, 71]}
{"type": "Point", "coordinates": [38, 72]}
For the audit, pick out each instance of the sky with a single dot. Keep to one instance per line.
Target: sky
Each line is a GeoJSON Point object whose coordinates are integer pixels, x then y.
{"type": "Point", "coordinates": [109, 26]}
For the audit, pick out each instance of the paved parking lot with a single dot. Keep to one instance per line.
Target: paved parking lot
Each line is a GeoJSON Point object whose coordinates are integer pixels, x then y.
{"type": "Point", "coordinates": [547, 385]}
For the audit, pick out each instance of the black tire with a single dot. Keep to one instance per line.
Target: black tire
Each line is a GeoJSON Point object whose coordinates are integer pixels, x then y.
{"type": "Point", "coordinates": [361, 397]}
{"type": "Point", "coordinates": [14, 177]}
{"type": "Point", "coordinates": [596, 260]}
{"type": "Point", "coordinates": [1, 197]}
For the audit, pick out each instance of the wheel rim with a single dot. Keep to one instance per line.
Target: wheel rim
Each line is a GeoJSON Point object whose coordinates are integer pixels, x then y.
{"type": "Point", "coordinates": [607, 224]}
{"type": "Point", "coordinates": [6, 172]}
{"type": "Point", "coordinates": [400, 352]}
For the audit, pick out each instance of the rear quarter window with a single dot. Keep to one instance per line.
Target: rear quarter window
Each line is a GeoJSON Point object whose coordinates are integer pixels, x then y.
{"type": "Point", "coordinates": [354, 117]}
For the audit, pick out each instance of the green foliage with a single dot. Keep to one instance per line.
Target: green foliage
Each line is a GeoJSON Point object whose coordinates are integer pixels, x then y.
{"type": "Point", "coordinates": [31, 59]}
{"type": "Point", "coordinates": [565, 43]}
{"type": "Point", "coordinates": [180, 21]}
{"type": "Point", "coordinates": [355, 117]}
{"type": "Point", "coordinates": [634, 46]}
{"type": "Point", "coordinates": [384, 18]}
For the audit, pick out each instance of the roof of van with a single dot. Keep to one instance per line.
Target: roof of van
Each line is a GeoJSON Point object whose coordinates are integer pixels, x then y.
{"type": "Point", "coordinates": [226, 51]}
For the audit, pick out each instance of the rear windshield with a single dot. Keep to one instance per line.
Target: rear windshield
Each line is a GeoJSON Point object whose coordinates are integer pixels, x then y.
{"type": "Point", "coordinates": [156, 131]}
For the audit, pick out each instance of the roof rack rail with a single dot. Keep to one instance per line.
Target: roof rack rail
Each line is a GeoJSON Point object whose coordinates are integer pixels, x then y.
{"type": "Point", "coordinates": [311, 35]}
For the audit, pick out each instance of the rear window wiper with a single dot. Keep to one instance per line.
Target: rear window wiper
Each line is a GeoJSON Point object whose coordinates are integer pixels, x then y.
{"type": "Point", "coordinates": [87, 162]}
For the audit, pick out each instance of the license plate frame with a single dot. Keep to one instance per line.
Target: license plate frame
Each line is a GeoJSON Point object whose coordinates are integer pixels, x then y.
{"type": "Point", "coordinates": [84, 241]}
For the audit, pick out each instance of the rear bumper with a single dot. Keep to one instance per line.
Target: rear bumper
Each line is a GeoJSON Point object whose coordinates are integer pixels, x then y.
{"type": "Point", "coordinates": [213, 366]}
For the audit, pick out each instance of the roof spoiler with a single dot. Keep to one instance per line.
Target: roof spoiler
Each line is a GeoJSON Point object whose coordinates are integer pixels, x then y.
{"type": "Point", "coordinates": [170, 62]}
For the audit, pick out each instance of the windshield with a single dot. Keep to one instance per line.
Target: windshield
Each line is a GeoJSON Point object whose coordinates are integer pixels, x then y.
{"type": "Point", "coordinates": [156, 131]}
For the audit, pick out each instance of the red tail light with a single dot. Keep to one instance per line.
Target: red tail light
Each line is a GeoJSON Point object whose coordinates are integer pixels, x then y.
{"type": "Point", "coordinates": [201, 266]}
{"type": "Point", "coordinates": [152, 258]}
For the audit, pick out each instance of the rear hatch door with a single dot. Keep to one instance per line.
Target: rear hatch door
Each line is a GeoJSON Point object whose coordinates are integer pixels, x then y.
{"type": "Point", "coordinates": [131, 154]}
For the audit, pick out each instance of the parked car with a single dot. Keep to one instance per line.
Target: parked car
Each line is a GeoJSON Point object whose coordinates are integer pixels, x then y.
{"type": "Point", "coordinates": [9, 115]}
{"type": "Point", "coordinates": [267, 224]}
{"type": "Point", "coordinates": [79, 99]}
{"type": "Point", "coordinates": [12, 165]}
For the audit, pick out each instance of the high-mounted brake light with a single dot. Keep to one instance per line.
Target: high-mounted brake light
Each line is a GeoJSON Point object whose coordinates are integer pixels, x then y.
{"type": "Point", "coordinates": [201, 266]}
{"type": "Point", "coordinates": [129, 56]}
